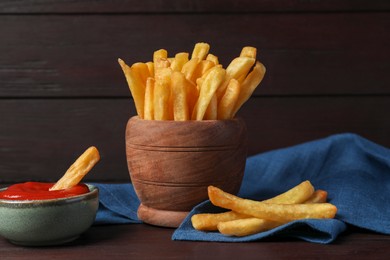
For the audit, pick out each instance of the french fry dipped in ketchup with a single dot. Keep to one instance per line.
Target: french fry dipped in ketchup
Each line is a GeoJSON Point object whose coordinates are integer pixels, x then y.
{"type": "Point", "coordinates": [69, 185]}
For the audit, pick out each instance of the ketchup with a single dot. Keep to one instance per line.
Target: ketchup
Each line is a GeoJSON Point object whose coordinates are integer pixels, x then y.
{"type": "Point", "coordinates": [40, 191]}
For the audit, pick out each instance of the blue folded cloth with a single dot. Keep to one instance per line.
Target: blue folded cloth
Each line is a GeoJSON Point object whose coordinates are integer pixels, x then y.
{"type": "Point", "coordinates": [354, 171]}
{"type": "Point", "coordinates": [118, 204]}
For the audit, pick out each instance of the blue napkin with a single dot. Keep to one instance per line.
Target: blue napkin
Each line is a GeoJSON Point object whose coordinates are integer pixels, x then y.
{"type": "Point", "coordinates": [118, 204]}
{"type": "Point", "coordinates": [354, 171]}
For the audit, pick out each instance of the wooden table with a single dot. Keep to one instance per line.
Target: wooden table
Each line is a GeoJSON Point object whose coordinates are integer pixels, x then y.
{"type": "Point", "coordinates": [141, 241]}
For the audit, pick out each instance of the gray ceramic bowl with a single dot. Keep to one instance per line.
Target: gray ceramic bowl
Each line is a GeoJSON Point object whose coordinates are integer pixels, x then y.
{"type": "Point", "coordinates": [48, 222]}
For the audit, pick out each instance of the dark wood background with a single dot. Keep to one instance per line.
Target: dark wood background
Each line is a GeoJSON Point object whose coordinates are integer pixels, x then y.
{"type": "Point", "coordinates": [61, 89]}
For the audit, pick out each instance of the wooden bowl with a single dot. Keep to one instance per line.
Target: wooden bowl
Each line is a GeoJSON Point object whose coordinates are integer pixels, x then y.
{"type": "Point", "coordinates": [171, 163]}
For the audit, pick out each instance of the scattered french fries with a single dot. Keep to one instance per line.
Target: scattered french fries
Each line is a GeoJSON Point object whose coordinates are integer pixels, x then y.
{"type": "Point", "coordinates": [248, 217]}
{"type": "Point", "coordinates": [78, 169]}
{"type": "Point", "coordinates": [204, 91]}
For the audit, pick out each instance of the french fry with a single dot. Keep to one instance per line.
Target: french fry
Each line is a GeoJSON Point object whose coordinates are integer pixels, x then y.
{"type": "Point", "coordinates": [249, 85]}
{"type": "Point", "coordinates": [319, 196]}
{"type": "Point", "coordinates": [229, 99]}
{"type": "Point", "coordinates": [239, 66]}
{"type": "Point", "coordinates": [180, 95]}
{"type": "Point", "coordinates": [189, 69]}
{"type": "Point", "coordinates": [160, 59]}
{"type": "Point", "coordinates": [160, 54]}
{"type": "Point", "coordinates": [298, 194]}
{"type": "Point", "coordinates": [149, 97]}
{"type": "Point", "coordinates": [159, 64]}
{"type": "Point", "coordinates": [274, 212]}
{"type": "Point", "coordinates": [162, 92]}
{"type": "Point", "coordinates": [208, 221]}
{"type": "Point", "coordinates": [237, 69]}
{"type": "Point", "coordinates": [142, 70]}
{"type": "Point", "coordinates": [193, 95]}
{"type": "Point", "coordinates": [213, 58]}
{"type": "Point", "coordinates": [209, 86]}
{"type": "Point", "coordinates": [137, 88]}
{"type": "Point", "coordinates": [249, 52]}
{"type": "Point", "coordinates": [212, 109]}
{"type": "Point", "coordinates": [246, 226]}
{"type": "Point", "coordinates": [201, 69]}
{"type": "Point", "coordinates": [200, 51]}
{"type": "Point", "coordinates": [150, 65]}
{"type": "Point", "coordinates": [179, 61]}
{"type": "Point", "coordinates": [78, 169]}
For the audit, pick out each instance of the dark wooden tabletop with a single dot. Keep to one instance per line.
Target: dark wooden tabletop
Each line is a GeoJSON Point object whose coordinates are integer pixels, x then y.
{"type": "Point", "coordinates": [141, 241]}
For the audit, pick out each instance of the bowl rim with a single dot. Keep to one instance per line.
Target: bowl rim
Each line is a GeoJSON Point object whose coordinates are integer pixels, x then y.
{"type": "Point", "coordinates": [93, 192]}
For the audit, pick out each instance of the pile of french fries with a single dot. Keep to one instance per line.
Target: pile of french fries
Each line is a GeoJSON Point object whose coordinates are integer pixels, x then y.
{"type": "Point", "coordinates": [192, 88]}
{"type": "Point", "coordinates": [247, 217]}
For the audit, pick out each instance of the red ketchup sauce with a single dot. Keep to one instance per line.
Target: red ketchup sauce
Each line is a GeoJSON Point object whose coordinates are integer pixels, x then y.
{"type": "Point", "coordinates": [40, 191]}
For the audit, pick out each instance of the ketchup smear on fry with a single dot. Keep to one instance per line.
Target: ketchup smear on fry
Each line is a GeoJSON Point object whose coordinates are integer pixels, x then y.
{"type": "Point", "coordinates": [40, 191]}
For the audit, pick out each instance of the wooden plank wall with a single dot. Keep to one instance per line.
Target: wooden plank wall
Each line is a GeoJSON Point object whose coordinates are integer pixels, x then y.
{"type": "Point", "coordinates": [61, 89]}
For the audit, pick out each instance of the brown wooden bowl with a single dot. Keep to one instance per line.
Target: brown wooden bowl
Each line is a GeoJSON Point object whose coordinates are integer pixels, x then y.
{"type": "Point", "coordinates": [171, 163]}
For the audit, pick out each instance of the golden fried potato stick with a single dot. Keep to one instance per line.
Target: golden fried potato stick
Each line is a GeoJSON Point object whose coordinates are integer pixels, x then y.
{"type": "Point", "coordinates": [78, 169]}
{"type": "Point", "coordinates": [237, 69]}
{"type": "Point", "coordinates": [178, 62]}
{"type": "Point", "coordinates": [212, 109]}
{"type": "Point", "coordinates": [162, 92]}
{"type": "Point", "coordinates": [136, 86]}
{"type": "Point", "coordinates": [213, 58]}
{"type": "Point", "coordinates": [142, 71]}
{"type": "Point", "coordinates": [319, 196]}
{"type": "Point", "coordinates": [249, 85]}
{"type": "Point", "coordinates": [209, 86]}
{"type": "Point", "coordinates": [160, 54]}
{"type": "Point", "coordinates": [200, 51]}
{"type": "Point", "coordinates": [229, 100]}
{"type": "Point", "coordinates": [249, 52]}
{"type": "Point", "coordinates": [180, 95]}
{"type": "Point", "coordinates": [249, 226]}
{"type": "Point", "coordinates": [160, 59]}
{"type": "Point", "coordinates": [150, 65]}
{"type": "Point", "coordinates": [159, 64]}
{"type": "Point", "coordinates": [246, 226]}
{"type": "Point", "coordinates": [239, 66]}
{"type": "Point", "coordinates": [149, 97]}
{"type": "Point", "coordinates": [189, 69]}
{"type": "Point", "coordinates": [275, 212]}
{"type": "Point", "coordinates": [209, 221]}
{"type": "Point", "coordinates": [298, 194]}
{"type": "Point", "coordinates": [201, 69]}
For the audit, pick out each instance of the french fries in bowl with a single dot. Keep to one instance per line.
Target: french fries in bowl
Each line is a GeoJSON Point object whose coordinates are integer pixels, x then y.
{"type": "Point", "coordinates": [186, 135]}
{"type": "Point", "coordinates": [192, 87]}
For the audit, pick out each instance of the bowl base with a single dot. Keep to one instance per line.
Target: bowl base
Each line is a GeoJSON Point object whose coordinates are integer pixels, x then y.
{"type": "Point", "coordinates": [162, 218]}
{"type": "Point", "coordinates": [44, 243]}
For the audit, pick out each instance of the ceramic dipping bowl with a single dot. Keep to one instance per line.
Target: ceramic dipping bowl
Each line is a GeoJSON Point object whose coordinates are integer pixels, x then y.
{"type": "Point", "coordinates": [48, 222]}
{"type": "Point", "coordinates": [171, 164]}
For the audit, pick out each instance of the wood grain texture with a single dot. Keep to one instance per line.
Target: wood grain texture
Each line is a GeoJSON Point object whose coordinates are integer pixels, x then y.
{"type": "Point", "coordinates": [304, 53]}
{"type": "Point", "coordinates": [40, 138]}
{"type": "Point", "coordinates": [139, 241]}
{"type": "Point", "coordinates": [183, 6]}
{"type": "Point", "coordinates": [172, 163]}
{"type": "Point", "coordinates": [61, 89]}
